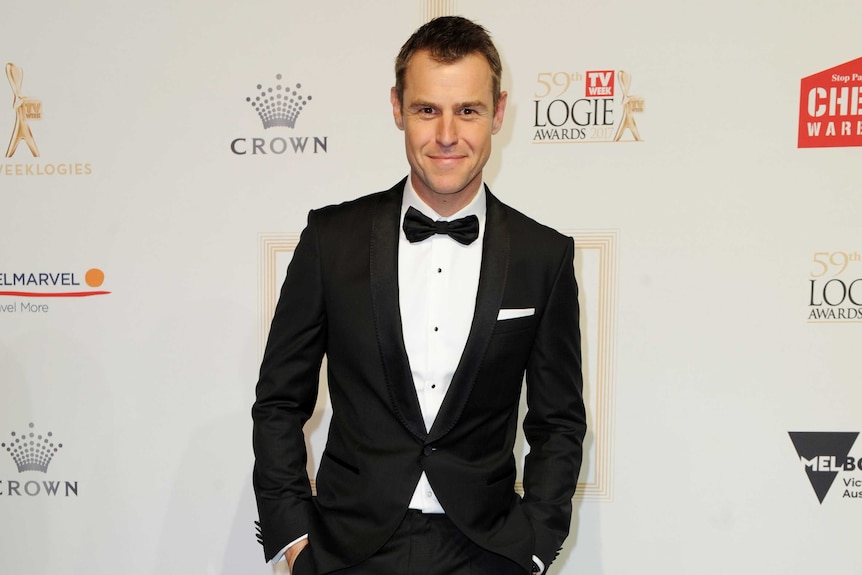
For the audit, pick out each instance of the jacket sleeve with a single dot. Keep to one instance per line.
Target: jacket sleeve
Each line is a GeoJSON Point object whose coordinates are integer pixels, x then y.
{"type": "Point", "coordinates": [555, 423]}
{"type": "Point", "coordinates": [285, 397]}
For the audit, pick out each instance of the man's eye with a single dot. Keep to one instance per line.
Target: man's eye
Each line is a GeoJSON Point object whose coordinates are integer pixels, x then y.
{"type": "Point", "coordinates": [427, 110]}
{"type": "Point", "coordinates": [468, 111]}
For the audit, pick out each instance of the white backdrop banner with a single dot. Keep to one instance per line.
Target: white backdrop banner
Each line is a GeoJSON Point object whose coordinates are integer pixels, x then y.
{"type": "Point", "coordinates": [704, 156]}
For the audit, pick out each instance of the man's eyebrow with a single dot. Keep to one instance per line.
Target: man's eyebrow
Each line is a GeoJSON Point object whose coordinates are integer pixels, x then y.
{"type": "Point", "coordinates": [476, 104]}
{"type": "Point", "coordinates": [458, 106]}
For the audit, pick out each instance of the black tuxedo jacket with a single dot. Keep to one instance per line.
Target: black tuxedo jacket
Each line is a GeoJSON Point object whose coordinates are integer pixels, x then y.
{"type": "Point", "coordinates": [340, 298]}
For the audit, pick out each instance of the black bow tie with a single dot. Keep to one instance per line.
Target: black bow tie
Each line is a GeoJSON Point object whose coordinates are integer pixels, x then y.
{"type": "Point", "coordinates": [418, 226]}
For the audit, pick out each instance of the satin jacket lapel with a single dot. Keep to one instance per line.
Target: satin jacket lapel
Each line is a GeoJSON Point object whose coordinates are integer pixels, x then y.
{"type": "Point", "coordinates": [387, 316]}
{"type": "Point", "coordinates": [489, 297]}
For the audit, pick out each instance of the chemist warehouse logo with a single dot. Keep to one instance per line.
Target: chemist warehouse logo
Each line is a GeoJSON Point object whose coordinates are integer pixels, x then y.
{"type": "Point", "coordinates": [25, 112]}
{"type": "Point", "coordinates": [826, 455]}
{"type": "Point", "coordinates": [32, 452]}
{"type": "Point", "coordinates": [586, 107]}
{"type": "Point", "coordinates": [830, 107]}
{"type": "Point", "coordinates": [280, 106]}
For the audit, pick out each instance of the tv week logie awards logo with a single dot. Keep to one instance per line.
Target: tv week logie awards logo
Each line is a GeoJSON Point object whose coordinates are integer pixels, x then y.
{"type": "Point", "coordinates": [585, 107]}
{"type": "Point", "coordinates": [835, 287]}
{"type": "Point", "coordinates": [27, 109]}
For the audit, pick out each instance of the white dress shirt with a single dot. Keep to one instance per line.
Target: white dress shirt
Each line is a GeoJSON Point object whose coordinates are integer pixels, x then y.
{"type": "Point", "coordinates": [438, 279]}
{"type": "Point", "coordinates": [437, 283]}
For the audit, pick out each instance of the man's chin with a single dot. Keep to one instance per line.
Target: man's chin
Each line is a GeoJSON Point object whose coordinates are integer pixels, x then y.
{"type": "Point", "coordinates": [449, 188]}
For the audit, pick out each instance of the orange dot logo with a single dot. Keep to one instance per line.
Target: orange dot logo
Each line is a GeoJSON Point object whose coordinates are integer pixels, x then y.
{"type": "Point", "coordinates": [94, 277]}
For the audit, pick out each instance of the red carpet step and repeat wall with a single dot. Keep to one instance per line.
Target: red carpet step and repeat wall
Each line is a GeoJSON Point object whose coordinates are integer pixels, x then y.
{"type": "Point", "coordinates": [705, 156]}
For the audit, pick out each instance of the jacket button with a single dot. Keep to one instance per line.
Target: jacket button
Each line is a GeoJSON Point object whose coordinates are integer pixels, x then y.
{"type": "Point", "coordinates": [428, 450]}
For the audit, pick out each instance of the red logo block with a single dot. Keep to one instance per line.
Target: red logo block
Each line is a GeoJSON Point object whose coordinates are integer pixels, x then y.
{"type": "Point", "coordinates": [600, 83]}
{"type": "Point", "coordinates": [830, 107]}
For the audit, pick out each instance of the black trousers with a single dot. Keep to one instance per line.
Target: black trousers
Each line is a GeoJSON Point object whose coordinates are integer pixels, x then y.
{"type": "Point", "coordinates": [424, 544]}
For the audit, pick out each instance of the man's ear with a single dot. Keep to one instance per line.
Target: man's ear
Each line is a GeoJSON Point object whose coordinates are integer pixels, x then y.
{"type": "Point", "coordinates": [499, 111]}
{"type": "Point", "coordinates": [396, 109]}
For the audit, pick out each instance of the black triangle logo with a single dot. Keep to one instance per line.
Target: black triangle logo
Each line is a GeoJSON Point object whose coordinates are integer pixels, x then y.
{"type": "Point", "coordinates": [813, 446]}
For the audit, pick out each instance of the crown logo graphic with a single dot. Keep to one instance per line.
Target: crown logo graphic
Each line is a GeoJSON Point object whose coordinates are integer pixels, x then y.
{"type": "Point", "coordinates": [31, 452]}
{"type": "Point", "coordinates": [278, 105]}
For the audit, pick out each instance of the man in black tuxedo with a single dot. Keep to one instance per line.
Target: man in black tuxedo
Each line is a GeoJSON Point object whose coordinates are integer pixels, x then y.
{"type": "Point", "coordinates": [431, 301]}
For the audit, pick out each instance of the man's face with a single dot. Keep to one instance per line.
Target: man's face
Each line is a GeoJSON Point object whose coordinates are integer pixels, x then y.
{"type": "Point", "coordinates": [448, 117]}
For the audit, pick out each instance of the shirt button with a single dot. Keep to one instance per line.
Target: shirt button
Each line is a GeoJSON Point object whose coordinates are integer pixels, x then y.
{"type": "Point", "coordinates": [439, 270]}
{"type": "Point", "coordinates": [436, 328]}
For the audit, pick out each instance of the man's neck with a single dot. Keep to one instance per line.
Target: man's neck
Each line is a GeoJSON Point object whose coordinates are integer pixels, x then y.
{"type": "Point", "coordinates": [447, 204]}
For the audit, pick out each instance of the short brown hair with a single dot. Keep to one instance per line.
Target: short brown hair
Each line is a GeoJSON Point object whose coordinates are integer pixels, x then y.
{"type": "Point", "coordinates": [448, 39]}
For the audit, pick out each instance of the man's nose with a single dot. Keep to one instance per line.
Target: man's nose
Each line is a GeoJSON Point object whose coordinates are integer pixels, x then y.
{"type": "Point", "coordinates": [447, 132]}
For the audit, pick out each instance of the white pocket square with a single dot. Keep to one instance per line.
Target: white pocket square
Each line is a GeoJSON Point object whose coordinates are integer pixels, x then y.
{"type": "Point", "coordinates": [515, 313]}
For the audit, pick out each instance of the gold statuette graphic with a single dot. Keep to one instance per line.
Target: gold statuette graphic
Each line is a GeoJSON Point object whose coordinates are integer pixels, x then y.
{"type": "Point", "coordinates": [26, 109]}
{"type": "Point", "coordinates": [631, 106]}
